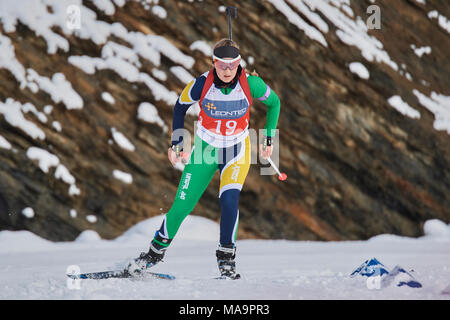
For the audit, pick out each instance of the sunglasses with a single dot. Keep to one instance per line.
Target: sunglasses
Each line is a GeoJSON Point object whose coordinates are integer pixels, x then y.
{"type": "Point", "coordinates": [227, 64]}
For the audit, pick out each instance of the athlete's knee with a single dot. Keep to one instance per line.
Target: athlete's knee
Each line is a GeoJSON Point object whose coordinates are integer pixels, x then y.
{"type": "Point", "coordinates": [229, 199]}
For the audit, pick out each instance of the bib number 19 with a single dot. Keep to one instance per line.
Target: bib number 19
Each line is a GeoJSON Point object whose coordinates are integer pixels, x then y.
{"type": "Point", "coordinates": [230, 125]}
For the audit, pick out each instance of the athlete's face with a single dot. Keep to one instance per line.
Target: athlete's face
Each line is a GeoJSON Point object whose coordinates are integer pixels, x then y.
{"type": "Point", "coordinates": [228, 74]}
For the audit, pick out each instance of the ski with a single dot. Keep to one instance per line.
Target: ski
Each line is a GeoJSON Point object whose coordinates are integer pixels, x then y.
{"type": "Point", "coordinates": [120, 274]}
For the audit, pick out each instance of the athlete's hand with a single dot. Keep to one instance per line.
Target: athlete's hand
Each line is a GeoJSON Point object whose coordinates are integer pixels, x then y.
{"type": "Point", "coordinates": [266, 148]}
{"type": "Point", "coordinates": [265, 152]}
{"type": "Point", "coordinates": [174, 159]}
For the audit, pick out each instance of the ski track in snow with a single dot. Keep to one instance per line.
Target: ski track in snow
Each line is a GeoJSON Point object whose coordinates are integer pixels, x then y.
{"type": "Point", "coordinates": [271, 269]}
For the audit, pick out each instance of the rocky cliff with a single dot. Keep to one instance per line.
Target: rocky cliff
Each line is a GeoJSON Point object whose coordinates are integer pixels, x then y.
{"type": "Point", "coordinates": [87, 90]}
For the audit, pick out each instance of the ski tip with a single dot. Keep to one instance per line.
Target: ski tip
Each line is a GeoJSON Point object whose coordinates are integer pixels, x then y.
{"type": "Point", "coordinates": [76, 276]}
{"type": "Point", "coordinates": [161, 275]}
{"type": "Point", "coordinates": [166, 276]}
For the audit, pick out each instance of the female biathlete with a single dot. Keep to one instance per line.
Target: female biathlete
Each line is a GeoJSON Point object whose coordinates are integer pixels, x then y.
{"type": "Point", "coordinates": [222, 142]}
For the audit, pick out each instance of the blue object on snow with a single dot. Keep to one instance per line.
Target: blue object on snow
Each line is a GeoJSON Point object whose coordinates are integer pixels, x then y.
{"type": "Point", "coordinates": [398, 276]}
{"type": "Point", "coordinates": [370, 268]}
{"type": "Point", "coordinates": [404, 278]}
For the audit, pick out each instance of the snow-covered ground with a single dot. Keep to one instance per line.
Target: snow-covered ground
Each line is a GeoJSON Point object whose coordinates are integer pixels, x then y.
{"type": "Point", "coordinates": [34, 268]}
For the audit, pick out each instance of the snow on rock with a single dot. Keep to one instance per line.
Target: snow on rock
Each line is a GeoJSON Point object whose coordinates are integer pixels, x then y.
{"type": "Point", "coordinates": [28, 212]}
{"type": "Point", "coordinates": [353, 32]}
{"type": "Point", "coordinates": [159, 12]}
{"type": "Point", "coordinates": [88, 236]}
{"type": "Point", "coordinates": [436, 228]}
{"type": "Point", "coordinates": [106, 96]}
{"type": "Point", "coordinates": [123, 176]}
{"type": "Point", "coordinates": [421, 51]}
{"type": "Point", "coordinates": [38, 18]}
{"type": "Point", "coordinates": [296, 20]}
{"type": "Point", "coordinates": [4, 144]}
{"type": "Point", "coordinates": [91, 218]}
{"type": "Point", "coordinates": [46, 160]}
{"type": "Point", "coordinates": [59, 89]}
{"type": "Point", "coordinates": [12, 111]}
{"type": "Point", "coordinates": [182, 74]}
{"type": "Point", "coordinates": [159, 91]}
{"type": "Point", "coordinates": [48, 109]}
{"type": "Point", "coordinates": [74, 190]}
{"type": "Point", "coordinates": [106, 6]}
{"type": "Point", "coordinates": [161, 75]}
{"type": "Point", "coordinates": [127, 71]}
{"type": "Point", "coordinates": [62, 173]}
{"type": "Point", "coordinates": [402, 107]}
{"type": "Point", "coordinates": [9, 62]}
{"type": "Point", "coordinates": [45, 15]}
{"type": "Point", "coordinates": [114, 50]}
{"type": "Point", "coordinates": [310, 14]}
{"type": "Point", "coordinates": [73, 213]}
{"type": "Point", "coordinates": [43, 21]}
{"type": "Point", "coordinates": [359, 69]}
{"type": "Point", "coordinates": [202, 46]}
{"type": "Point", "coordinates": [57, 126]}
{"type": "Point", "coordinates": [433, 229]}
{"type": "Point", "coordinates": [28, 107]}
{"type": "Point", "coordinates": [147, 46]}
{"type": "Point", "coordinates": [443, 22]}
{"type": "Point", "coordinates": [121, 140]}
{"type": "Point", "coordinates": [148, 113]}
{"type": "Point", "coordinates": [122, 67]}
{"type": "Point", "coordinates": [439, 105]}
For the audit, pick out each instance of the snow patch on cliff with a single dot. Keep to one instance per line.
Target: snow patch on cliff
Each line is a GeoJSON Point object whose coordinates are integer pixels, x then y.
{"type": "Point", "coordinates": [12, 111]}
{"type": "Point", "coordinates": [403, 107]}
{"type": "Point", "coordinates": [439, 105]}
{"type": "Point", "coordinates": [360, 70]}
{"type": "Point", "coordinates": [47, 160]}
{"type": "Point", "coordinates": [121, 140]}
{"type": "Point", "coordinates": [147, 112]}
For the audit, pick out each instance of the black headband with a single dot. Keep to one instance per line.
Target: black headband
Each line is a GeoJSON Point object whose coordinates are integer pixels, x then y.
{"type": "Point", "coordinates": [226, 52]}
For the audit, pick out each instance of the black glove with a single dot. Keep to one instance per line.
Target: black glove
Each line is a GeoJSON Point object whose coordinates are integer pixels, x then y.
{"type": "Point", "coordinates": [267, 142]}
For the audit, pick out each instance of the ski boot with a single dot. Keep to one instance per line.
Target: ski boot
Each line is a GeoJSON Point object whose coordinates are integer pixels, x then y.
{"type": "Point", "coordinates": [148, 259]}
{"type": "Point", "coordinates": [225, 260]}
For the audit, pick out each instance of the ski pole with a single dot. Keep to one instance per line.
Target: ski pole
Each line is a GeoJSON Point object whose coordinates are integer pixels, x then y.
{"type": "Point", "coordinates": [231, 11]}
{"type": "Point", "coordinates": [281, 176]}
